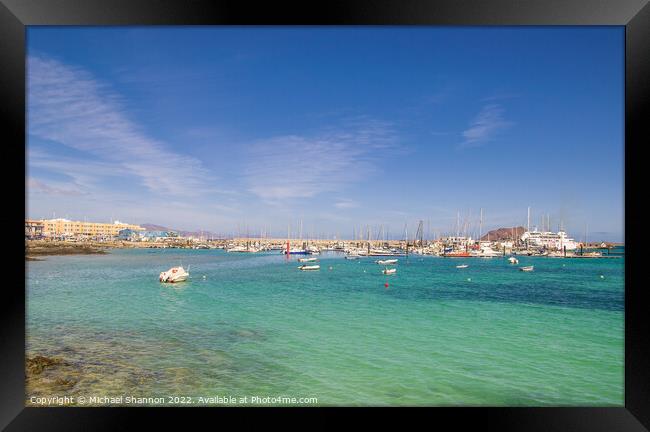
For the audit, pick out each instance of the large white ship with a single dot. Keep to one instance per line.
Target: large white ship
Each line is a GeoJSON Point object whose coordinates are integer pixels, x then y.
{"type": "Point", "coordinates": [549, 240]}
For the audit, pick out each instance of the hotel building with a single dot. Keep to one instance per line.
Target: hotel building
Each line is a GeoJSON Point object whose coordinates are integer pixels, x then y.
{"type": "Point", "coordinates": [65, 228]}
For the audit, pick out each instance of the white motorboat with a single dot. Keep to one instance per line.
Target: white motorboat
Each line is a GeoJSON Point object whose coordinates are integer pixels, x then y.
{"type": "Point", "coordinates": [242, 249]}
{"type": "Point", "coordinates": [352, 257]}
{"type": "Point", "coordinates": [527, 268]}
{"type": "Point", "coordinates": [309, 267]}
{"type": "Point", "coordinates": [388, 271]}
{"type": "Point", "coordinates": [174, 274]}
{"type": "Point", "coordinates": [386, 262]}
{"type": "Point", "coordinates": [296, 251]}
{"type": "Point", "coordinates": [513, 260]}
{"type": "Point", "coordinates": [462, 266]}
{"type": "Point", "coordinates": [307, 259]}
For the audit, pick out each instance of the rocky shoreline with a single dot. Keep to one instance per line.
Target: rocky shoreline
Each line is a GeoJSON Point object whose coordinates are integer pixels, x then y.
{"type": "Point", "coordinates": [41, 248]}
{"type": "Point", "coordinates": [50, 374]}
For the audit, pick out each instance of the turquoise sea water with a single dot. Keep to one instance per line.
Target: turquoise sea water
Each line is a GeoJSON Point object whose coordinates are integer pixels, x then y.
{"type": "Point", "coordinates": [486, 335]}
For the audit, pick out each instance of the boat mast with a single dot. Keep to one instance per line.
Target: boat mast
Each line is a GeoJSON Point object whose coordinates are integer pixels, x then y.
{"type": "Point", "coordinates": [419, 233]}
{"type": "Point", "coordinates": [368, 239]}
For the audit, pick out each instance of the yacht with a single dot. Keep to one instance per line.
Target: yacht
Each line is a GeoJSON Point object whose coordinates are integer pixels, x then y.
{"type": "Point", "coordinates": [296, 251]}
{"type": "Point", "coordinates": [487, 252]}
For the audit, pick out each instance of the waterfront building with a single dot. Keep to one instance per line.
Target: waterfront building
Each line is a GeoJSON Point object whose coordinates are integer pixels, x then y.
{"type": "Point", "coordinates": [158, 235]}
{"type": "Point", "coordinates": [33, 229]}
{"type": "Point", "coordinates": [67, 228]}
{"type": "Point", "coordinates": [129, 235]}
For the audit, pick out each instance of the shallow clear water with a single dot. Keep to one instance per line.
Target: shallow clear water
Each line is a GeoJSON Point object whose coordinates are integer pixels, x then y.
{"type": "Point", "coordinates": [256, 325]}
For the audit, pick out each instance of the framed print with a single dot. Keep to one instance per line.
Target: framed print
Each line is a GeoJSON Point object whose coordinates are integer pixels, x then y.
{"type": "Point", "coordinates": [428, 206]}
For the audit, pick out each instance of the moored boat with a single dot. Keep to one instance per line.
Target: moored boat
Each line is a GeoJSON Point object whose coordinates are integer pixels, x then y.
{"type": "Point", "coordinates": [307, 259]}
{"type": "Point", "coordinates": [296, 251]}
{"type": "Point", "coordinates": [174, 274]}
{"type": "Point", "coordinates": [457, 254]}
{"type": "Point", "coordinates": [527, 268]}
{"type": "Point", "coordinates": [462, 266]}
{"type": "Point", "coordinates": [386, 262]}
{"type": "Point", "coordinates": [388, 271]}
{"type": "Point", "coordinates": [513, 260]}
{"type": "Point", "coordinates": [309, 267]}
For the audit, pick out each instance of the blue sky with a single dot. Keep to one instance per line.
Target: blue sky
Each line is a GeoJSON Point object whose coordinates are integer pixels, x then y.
{"type": "Point", "coordinates": [228, 129]}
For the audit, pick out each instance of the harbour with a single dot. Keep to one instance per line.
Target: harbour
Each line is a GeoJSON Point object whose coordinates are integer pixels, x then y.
{"type": "Point", "coordinates": [323, 216]}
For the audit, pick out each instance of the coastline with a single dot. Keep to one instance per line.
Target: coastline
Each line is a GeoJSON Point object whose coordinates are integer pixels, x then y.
{"type": "Point", "coordinates": [35, 249]}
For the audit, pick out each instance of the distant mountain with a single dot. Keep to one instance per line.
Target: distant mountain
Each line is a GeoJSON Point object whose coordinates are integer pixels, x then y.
{"type": "Point", "coordinates": [182, 233]}
{"type": "Point", "coordinates": [504, 234]}
{"type": "Point", "coordinates": [152, 227]}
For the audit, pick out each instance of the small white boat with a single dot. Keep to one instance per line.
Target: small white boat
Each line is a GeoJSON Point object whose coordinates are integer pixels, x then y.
{"type": "Point", "coordinates": [242, 249]}
{"type": "Point", "coordinates": [307, 259]}
{"type": "Point", "coordinates": [386, 262]}
{"type": "Point", "coordinates": [352, 257]}
{"type": "Point", "coordinates": [309, 267]}
{"type": "Point", "coordinates": [462, 266]}
{"type": "Point", "coordinates": [513, 260]}
{"type": "Point", "coordinates": [527, 268]}
{"type": "Point", "coordinates": [388, 271]}
{"type": "Point", "coordinates": [174, 274]}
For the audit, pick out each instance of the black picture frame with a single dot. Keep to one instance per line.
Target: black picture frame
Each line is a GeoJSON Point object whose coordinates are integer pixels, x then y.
{"type": "Point", "coordinates": [15, 15]}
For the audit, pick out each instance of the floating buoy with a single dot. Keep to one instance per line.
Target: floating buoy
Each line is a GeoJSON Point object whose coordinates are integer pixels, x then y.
{"type": "Point", "coordinates": [469, 279]}
{"type": "Point", "coordinates": [204, 276]}
{"type": "Point", "coordinates": [602, 277]}
{"type": "Point", "coordinates": [330, 268]}
{"type": "Point", "coordinates": [386, 285]}
{"type": "Point", "coordinates": [364, 271]}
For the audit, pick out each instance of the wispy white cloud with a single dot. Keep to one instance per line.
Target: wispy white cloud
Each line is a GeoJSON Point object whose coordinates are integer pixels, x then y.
{"type": "Point", "coordinates": [294, 166]}
{"type": "Point", "coordinates": [346, 204]}
{"type": "Point", "coordinates": [488, 123]}
{"type": "Point", "coordinates": [69, 105]}
{"type": "Point", "coordinates": [84, 174]}
{"type": "Point", "coordinates": [37, 186]}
